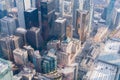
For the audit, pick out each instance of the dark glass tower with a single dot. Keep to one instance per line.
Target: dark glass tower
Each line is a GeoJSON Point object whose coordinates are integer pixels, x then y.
{"type": "Point", "coordinates": [31, 18]}
{"type": "Point", "coordinates": [48, 17]}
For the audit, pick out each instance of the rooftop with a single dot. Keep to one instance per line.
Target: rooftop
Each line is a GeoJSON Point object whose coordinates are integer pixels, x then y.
{"type": "Point", "coordinates": [102, 71]}
{"type": "Point", "coordinates": [3, 66]}
{"type": "Point", "coordinates": [110, 53]}
{"type": "Point", "coordinates": [60, 20]}
{"type": "Point", "coordinates": [30, 9]}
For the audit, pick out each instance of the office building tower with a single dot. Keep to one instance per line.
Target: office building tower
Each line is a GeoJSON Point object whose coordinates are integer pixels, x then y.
{"type": "Point", "coordinates": [20, 56]}
{"type": "Point", "coordinates": [48, 17]}
{"type": "Point", "coordinates": [3, 11]}
{"type": "Point", "coordinates": [21, 32]}
{"type": "Point", "coordinates": [60, 28]}
{"type": "Point", "coordinates": [21, 8]}
{"type": "Point", "coordinates": [31, 18]}
{"type": "Point", "coordinates": [8, 44]}
{"type": "Point", "coordinates": [27, 4]}
{"type": "Point", "coordinates": [34, 38]}
{"type": "Point", "coordinates": [48, 64]}
{"type": "Point", "coordinates": [69, 31]}
{"type": "Point", "coordinates": [88, 5]}
{"type": "Point", "coordinates": [5, 70]}
{"type": "Point", "coordinates": [54, 44]}
{"type": "Point", "coordinates": [9, 5]}
{"type": "Point", "coordinates": [117, 18]}
{"type": "Point", "coordinates": [57, 5]}
{"type": "Point", "coordinates": [8, 25]}
{"type": "Point", "coordinates": [67, 10]}
{"type": "Point", "coordinates": [82, 18]}
{"type": "Point", "coordinates": [78, 4]}
{"type": "Point", "coordinates": [63, 58]}
{"type": "Point", "coordinates": [66, 45]}
{"type": "Point", "coordinates": [37, 61]}
{"type": "Point", "coordinates": [109, 13]}
{"type": "Point", "coordinates": [30, 52]}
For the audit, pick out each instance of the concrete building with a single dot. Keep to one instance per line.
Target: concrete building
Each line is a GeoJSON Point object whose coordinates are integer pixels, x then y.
{"type": "Point", "coordinates": [37, 60]}
{"type": "Point", "coordinates": [34, 38]}
{"type": "Point", "coordinates": [66, 46]}
{"type": "Point", "coordinates": [8, 25]}
{"type": "Point", "coordinates": [54, 44]}
{"type": "Point", "coordinates": [20, 56]}
{"type": "Point", "coordinates": [5, 70]}
{"type": "Point", "coordinates": [21, 32]}
{"type": "Point", "coordinates": [60, 28]}
{"type": "Point", "coordinates": [69, 31]}
{"type": "Point", "coordinates": [117, 18]}
{"type": "Point", "coordinates": [21, 8]}
{"type": "Point", "coordinates": [63, 58]}
{"type": "Point", "coordinates": [8, 44]}
{"type": "Point", "coordinates": [82, 18]}
{"type": "Point", "coordinates": [30, 52]}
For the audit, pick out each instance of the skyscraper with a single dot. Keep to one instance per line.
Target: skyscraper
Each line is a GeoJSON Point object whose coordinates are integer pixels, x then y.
{"type": "Point", "coordinates": [48, 17]}
{"type": "Point", "coordinates": [82, 19]}
{"type": "Point", "coordinates": [21, 32]}
{"type": "Point", "coordinates": [21, 8]}
{"type": "Point", "coordinates": [67, 10]}
{"type": "Point", "coordinates": [109, 12]}
{"type": "Point", "coordinates": [88, 5]}
{"type": "Point", "coordinates": [37, 61]}
{"type": "Point", "coordinates": [48, 64]}
{"type": "Point", "coordinates": [8, 25]}
{"type": "Point", "coordinates": [27, 4]}
{"type": "Point", "coordinates": [8, 44]}
{"type": "Point", "coordinates": [31, 18]}
{"type": "Point", "coordinates": [34, 38]}
{"type": "Point", "coordinates": [60, 28]}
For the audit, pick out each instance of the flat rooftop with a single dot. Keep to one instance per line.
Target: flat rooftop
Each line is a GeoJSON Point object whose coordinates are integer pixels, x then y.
{"type": "Point", "coordinates": [3, 66]}
{"type": "Point", "coordinates": [30, 9]}
{"type": "Point", "coordinates": [111, 53]}
{"type": "Point", "coordinates": [102, 71]}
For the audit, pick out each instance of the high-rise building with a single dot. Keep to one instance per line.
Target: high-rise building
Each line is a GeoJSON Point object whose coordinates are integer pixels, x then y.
{"type": "Point", "coordinates": [21, 32]}
{"type": "Point", "coordinates": [82, 19]}
{"type": "Point", "coordinates": [69, 31]}
{"type": "Point", "coordinates": [48, 64]}
{"type": "Point", "coordinates": [3, 11]}
{"type": "Point", "coordinates": [67, 10]}
{"type": "Point", "coordinates": [48, 17]}
{"type": "Point", "coordinates": [31, 18]}
{"type": "Point", "coordinates": [78, 4]}
{"type": "Point", "coordinates": [60, 28]}
{"type": "Point", "coordinates": [117, 18]}
{"type": "Point", "coordinates": [5, 70]}
{"type": "Point", "coordinates": [20, 56]}
{"type": "Point", "coordinates": [8, 44]}
{"type": "Point", "coordinates": [37, 61]}
{"type": "Point", "coordinates": [88, 5]}
{"type": "Point", "coordinates": [8, 25]}
{"type": "Point", "coordinates": [27, 4]}
{"type": "Point", "coordinates": [21, 8]}
{"type": "Point", "coordinates": [109, 13]}
{"type": "Point", "coordinates": [30, 52]}
{"type": "Point", "coordinates": [34, 38]}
